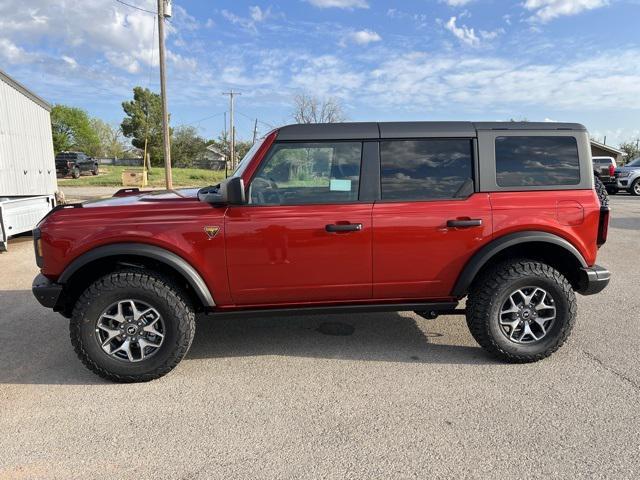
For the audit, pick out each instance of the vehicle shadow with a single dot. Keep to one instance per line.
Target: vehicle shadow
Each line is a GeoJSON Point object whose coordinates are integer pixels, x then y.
{"type": "Point", "coordinates": [35, 346]}
{"type": "Point", "coordinates": [380, 337]}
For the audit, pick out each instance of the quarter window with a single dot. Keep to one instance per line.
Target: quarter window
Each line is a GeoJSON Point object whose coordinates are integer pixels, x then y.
{"type": "Point", "coordinates": [537, 161]}
{"type": "Point", "coordinates": [307, 173]}
{"type": "Point", "coordinates": [426, 169]}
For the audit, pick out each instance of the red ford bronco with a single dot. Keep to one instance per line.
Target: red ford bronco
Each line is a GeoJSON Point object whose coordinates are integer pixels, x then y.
{"type": "Point", "coordinates": [352, 217]}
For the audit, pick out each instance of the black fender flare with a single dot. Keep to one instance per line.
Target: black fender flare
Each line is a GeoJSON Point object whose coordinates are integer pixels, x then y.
{"type": "Point", "coordinates": [486, 253]}
{"type": "Point", "coordinates": [159, 254]}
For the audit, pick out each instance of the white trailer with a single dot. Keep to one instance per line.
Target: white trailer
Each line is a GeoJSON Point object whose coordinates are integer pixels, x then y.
{"type": "Point", "coordinates": [28, 181]}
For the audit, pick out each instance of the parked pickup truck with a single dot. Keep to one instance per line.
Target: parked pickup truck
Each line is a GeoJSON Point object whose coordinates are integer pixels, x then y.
{"type": "Point", "coordinates": [604, 168]}
{"type": "Point", "coordinates": [75, 164]}
{"type": "Point", "coordinates": [330, 218]}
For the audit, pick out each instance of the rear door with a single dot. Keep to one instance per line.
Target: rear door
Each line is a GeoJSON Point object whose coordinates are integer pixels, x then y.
{"type": "Point", "coordinates": [429, 220]}
{"type": "Point", "coordinates": [305, 235]}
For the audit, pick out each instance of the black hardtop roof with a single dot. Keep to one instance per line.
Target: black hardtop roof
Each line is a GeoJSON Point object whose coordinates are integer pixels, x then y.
{"type": "Point", "coordinates": [377, 130]}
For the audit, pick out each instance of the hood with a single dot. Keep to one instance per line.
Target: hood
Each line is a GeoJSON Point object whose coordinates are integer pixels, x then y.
{"type": "Point", "coordinates": [149, 198]}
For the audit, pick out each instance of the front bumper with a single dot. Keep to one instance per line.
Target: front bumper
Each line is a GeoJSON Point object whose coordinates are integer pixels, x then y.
{"type": "Point", "coordinates": [46, 291]}
{"type": "Point", "coordinates": [593, 280]}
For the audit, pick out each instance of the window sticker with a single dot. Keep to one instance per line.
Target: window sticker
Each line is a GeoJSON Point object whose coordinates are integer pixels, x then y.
{"type": "Point", "coordinates": [337, 185]}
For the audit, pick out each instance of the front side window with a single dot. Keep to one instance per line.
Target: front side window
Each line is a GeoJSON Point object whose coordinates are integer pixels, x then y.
{"type": "Point", "coordinates": [537, 161]}
{"type": "Point", "coordinates": [308, 173]}
{"type": "Point", "coordinates": [427, 169]}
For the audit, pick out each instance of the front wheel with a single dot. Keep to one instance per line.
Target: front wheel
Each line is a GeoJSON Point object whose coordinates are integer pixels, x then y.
{"type": "Point", "coordinates": [635, 187]}
{"type": "Point", "coordinates": [75, 173]}
{"type": "Point", "coordinates": [131, 326]}
{"type": "Point", "coordinates": [521, 311]}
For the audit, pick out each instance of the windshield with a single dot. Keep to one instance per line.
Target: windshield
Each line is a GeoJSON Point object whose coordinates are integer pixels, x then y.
{"type": "Point", "coordinates": [634, 163]}
{"type": "Point", "coordinates": [242, 166]}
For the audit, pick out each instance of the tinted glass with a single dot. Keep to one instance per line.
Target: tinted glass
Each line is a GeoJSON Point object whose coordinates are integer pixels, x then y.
{"type": "Point", "coordinates": [303, 173]}
{"type": "Point", "coordinates": [537, 161]}
{"type": "Point", "coordinates": [426, 169]}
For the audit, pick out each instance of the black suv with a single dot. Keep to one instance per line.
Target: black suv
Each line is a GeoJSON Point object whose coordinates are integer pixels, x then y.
{"type": "Point", "coordinates": [74, 164]}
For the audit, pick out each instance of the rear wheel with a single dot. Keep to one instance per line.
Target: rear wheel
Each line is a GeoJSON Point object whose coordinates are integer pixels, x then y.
{"type": "Point", "coordinates": [521, 311]}
{"type": "Point", "coordinates": [132, 327]}
{"type": "Point", "coordinates": [635, 187]}
{"type": "Point", "coordinates": [95, 170]}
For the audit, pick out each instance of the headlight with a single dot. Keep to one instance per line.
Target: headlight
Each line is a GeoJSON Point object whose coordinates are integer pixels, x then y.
{"type": "Point", "coordinates": [624, 174]}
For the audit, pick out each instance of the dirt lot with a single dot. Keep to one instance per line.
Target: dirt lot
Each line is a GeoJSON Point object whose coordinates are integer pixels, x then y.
{"type": "Point", "coordinates": [400, 398]}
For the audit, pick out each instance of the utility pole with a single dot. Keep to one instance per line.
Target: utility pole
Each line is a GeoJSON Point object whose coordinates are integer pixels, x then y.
{"type": "Point", "coordinates": [255, 132]}
{"type": "Point", "coordinates": [164, 10]}
{"type": "Point", "coordinates": [232, 129]}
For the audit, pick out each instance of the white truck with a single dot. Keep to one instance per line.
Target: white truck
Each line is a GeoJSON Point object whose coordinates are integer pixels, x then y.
{"type": "Point", "coordinates": [28, 182]}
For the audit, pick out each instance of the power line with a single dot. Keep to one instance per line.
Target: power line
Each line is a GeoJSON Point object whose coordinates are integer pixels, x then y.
{"type": "Point", "coordinates": [253, 118]}
{"type": "Point", "coordinates": [137, 8]}
{"type": "Point", "coordinates": [203, 119]}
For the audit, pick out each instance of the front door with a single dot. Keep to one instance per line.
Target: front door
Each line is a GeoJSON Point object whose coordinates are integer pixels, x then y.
{"type": "Point", "coordinates": [429, 221]}
{"type": "Point", "coordinates": [304, 236]}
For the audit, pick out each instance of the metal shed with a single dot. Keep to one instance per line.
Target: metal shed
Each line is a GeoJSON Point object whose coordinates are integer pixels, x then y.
{"type": "Point", "coordinates": [27, 164]}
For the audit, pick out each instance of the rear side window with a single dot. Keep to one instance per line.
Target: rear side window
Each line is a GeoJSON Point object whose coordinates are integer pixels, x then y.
{"type": "Point", "coordinates": [308, 173]}
{"type": "Point", "coordinates": [427, 169]}
{"type": "Point", "coordinates": [537, 161]}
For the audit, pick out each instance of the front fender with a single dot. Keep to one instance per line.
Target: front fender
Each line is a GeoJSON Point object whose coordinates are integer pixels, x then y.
{"type": "Point", "coordinates": [159, 254]}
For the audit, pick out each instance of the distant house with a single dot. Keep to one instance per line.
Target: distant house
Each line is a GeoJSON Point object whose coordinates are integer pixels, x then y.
{"type": "Point", "coordinates": [601, 150]}
{"type": "Point", "coordinates": [212, 159]}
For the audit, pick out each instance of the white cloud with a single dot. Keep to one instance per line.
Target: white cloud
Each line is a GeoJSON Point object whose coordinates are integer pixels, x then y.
{"type": "Point", "coordinates": [12, 53]}
{"type": "Point", "coordinates": [361, 37]}
{"type": "Point", "coordinates": [256, 16]}
{"type": "Point", "coordinates": [463, 33]}
{"type": "Point", "coordinates": [490, 84]}
{"type": "Point", "coordinates": [70, 61]}
{"type": "Point", "coordinates": [457, 3]}
{"type": "Point", "coordinates": [347, 4]}
{"type": "Point", "coordinates": [123, 36]}
{"type": "Point", "coordinates": [546, 10]}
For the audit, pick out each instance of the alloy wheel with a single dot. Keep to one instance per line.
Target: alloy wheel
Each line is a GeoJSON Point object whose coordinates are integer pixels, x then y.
{"type": "Point", "coordinates": [130, 330]}
{"type": "Point", "coordinates": [527, 315]}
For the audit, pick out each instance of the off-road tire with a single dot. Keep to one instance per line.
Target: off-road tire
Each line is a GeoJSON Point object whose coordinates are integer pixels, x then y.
{"type": "Point", "coordinates": [75, 172]}
{"type": "Point", "coordinates": [154, 289]}
{"type": "Point", "coordinates": [633, 190]}
{"type": "Point", "coordinates": [95, 170]}
{"type": "Point", "coordinates": [489, 292]}
{"type": "Point", "coordinates": [601, 190]}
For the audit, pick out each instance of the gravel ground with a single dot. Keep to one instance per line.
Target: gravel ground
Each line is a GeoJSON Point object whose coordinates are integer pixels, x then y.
{"type": "Point", "coordinates": [402, 397]}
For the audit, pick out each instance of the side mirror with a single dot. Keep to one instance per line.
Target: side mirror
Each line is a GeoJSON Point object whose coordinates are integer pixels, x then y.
{"type": "Point", "coordinates": [229, 192]}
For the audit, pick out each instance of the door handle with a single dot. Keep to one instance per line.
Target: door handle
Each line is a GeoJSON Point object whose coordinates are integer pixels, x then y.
{"type": "Point", "coordinates": [348, 227]}
{"type": "Point", "coordinates": [472, 222]}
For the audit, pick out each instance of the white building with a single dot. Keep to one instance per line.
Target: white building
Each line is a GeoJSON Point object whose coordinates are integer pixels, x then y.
{"type": "Point", "coordinates": [27, 164]}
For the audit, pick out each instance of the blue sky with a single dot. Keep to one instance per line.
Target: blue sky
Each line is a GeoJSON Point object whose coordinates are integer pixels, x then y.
{"type": "Point", "coordinates": [563, 60]}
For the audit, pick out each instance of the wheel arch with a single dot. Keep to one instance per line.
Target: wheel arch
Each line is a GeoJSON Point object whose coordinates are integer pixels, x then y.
{"type": "Point", "coordinates": [552, 249]}
{"type": "Point", "coordinates": [97, 262]}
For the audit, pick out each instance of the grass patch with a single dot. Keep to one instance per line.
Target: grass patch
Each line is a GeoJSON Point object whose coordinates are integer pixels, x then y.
{"type": "Point", "coordinates": [112, 177]}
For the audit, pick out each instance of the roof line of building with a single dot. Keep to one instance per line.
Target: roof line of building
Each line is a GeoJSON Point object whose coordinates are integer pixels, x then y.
{"type": "Point", "coordinates": [25, 91]}
{"type": "Point", "coordinates": [607, 147]}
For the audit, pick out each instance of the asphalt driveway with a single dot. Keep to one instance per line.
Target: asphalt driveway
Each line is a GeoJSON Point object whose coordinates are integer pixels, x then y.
{"type": "Point", "coordinates": [402, 397]}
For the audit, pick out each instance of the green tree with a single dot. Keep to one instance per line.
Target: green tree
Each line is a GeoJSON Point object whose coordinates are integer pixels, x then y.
{"type": "Point", "coordinates": [110, 138]}
{"type": "Point", "coordinates": [143, 119]}
{"type": "Point", "coordinates": [186, 146]}
{"type": "Point", "coordinates": [631, 149]}
{"type": "Point", "coordinates": [72, 130]}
